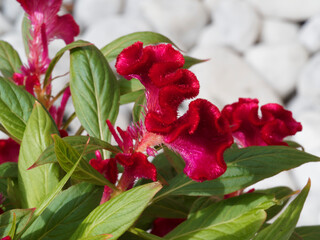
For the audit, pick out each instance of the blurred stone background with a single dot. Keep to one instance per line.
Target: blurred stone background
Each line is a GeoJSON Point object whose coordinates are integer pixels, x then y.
{"type": "Point", "coordinates": [265, 49]}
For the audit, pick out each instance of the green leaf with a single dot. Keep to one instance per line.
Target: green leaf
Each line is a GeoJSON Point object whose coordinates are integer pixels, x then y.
{"type": "Point", "coordinates": [112, 50]}
{"type": "Point", "coordinates": [190, 61]}
{"type": "Point", "coordinates": [26, 35]}
{"type": "Point", "coordinates": [79, 143]}
{"type": "Point", "coordinates": [131, 97]}
{"type": "Point", "coordinates": [175, 160]}
{"type": "Point", "coordinates": [95, 91]}
{"type": "Point", "coordinates": [19, 216]}
{"type": "Point", "coordinates": [138, 108]}
{"type": "Point", "coordinates": [283, 227]}
{"type": "Point", "coordinates": [127, 86]}
{"type": "Point", "coordinates": [245, 167]}
{"type": "Point", "coordinates": [233, 218]}
{"type": "Point", "coordinates": [10, 62]}
{"type": "Point", "coordinates": [58, 56]}
{"type": "Point", "coordinates": [144, 235]}
{"type": "Point", "coordinates": [63, 215]}
{"type": "Point", "coordinates": [36, 184]}
{"type": "Point", "coordinates": [306, 233]}
{"type": "Point", "coordinates": [15, 108]}
{"type": "Point", "coordinates": [118, 214]}
{"type": "Point", "coordinates": [9, 170]}
{"type": "Point", "coordinates": [68, 156]}
{"type": "Point", "coordinates": [282, 194]}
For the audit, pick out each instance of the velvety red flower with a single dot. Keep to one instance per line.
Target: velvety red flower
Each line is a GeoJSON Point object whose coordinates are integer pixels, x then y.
{"type": "Point", "coordinates": [6, 238]}
{"type": "Point", "coordinates": [9, 150]}
{"type": "Point", "coordinates": [201, 135]}
{"type": "Point", "coordinates": [162, 226]}
{"type": "Point", "coordinates": [250, 129]}
{"type": "Point", "coordinates": [46, 25]}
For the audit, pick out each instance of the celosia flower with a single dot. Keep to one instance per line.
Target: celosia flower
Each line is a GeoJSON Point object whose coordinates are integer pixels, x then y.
{"type": "Point", "coordinates": [9, 150]}
{"type": "Point", "coordinates": [250, 129]}
{"type": "Point", "coordinates": [201, 135]}
{"type": "Point", "coordinates": [46, 25]}
{"type": "Point", "coordinates": [162, 226]}
{"type": "Point", "coordinates": [6, 238]}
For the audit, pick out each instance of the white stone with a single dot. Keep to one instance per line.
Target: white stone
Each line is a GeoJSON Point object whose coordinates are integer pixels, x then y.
{"type": "Point", "coordinates": [296, 10]}
{"type": "Point", "coordinates": [180, 20]}
{"type": "Point", "coordinates": [278, 64]}
{"type": "Point", "coordinates": [103, 32]}
{"type": "Point", "coordinates": [310, 34]}
{"type": "Point", "coordinates": [309, 79]}
{"type": "Point", "coordinates": [5, 25]}
{"type": "Point", "coordinates": [87, 13]}
{"type": "Point", "coordinates": [11, 9]}
{"type": "Point", "coordinates": [226, 77]}
{"type": "Point", "coordinates": [211, 5]}
{"type": "Point", "coordinates": [276, 31]}
{"type": "Point", "coordinates": [235, 24]}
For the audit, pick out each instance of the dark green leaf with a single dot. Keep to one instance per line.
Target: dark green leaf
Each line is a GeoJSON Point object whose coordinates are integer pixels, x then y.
{"type": "Point", "coordinates": [127, 86]}
{"type": "Point", "coordinates": [9, 170]}
{"type": "Point", "coordinates": [233, 218]}
{"type": "Point", "coordinates": [138, 108]}
{"type": "Point", "coordinates": [283, 227]}
{"type": "Point", "coordinates": [63, 215]}
{"type": "Point", "coordinates": [246, 166]}
{"type": "Point", "coordinates": [306, 233]}
{"type": "Point", "coordinates": [10, 62]}
{"type": "Point", "coordinates": [118, 214]}
{"type": "Point", "coordinates": [94, 89]}
{"type": "Point", "coordinates": [36, 184]}
{"type": "Point", "coordinates": [130, 97]}
{"type": "Point", "coordinates": [112, 50]}
{"type": "Point", "coordinates": [79, 143]}
{"type": "Point", "coordinates": [15, 108]}
{"type": "Point", "coordinates": [6, 220]}
{"type": "Point", "coordinates": [58, 56]}
{"type": "Point", "coordinates": [68, 156]}
{"type": "Point", "coordinates": [190, 61]}
{"type": "Point", "coordinates": [282, 194]}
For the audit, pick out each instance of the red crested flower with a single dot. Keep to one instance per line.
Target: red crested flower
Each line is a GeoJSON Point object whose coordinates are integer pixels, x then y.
{"type": "Point", "coordinates": [46, 25]}
{"type": "Point", "coordinates": [250, 129]}
{"type": "Point", "coordinates": [6, 238]}
{"type": "Point", "coordinates": [201, 135]}
{"type": "Point", "coordinates": [9, 150]}
{"type": "Point", "coordinates": [162, 226]}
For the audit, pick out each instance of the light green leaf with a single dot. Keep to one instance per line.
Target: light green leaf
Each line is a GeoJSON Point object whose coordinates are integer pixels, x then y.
{"type": "Point", "coordinates": [26, 35]}
{"type": "Point", "coordinates": [79, 143]}
{"type": "Point", "coordinates": [283, 227]}
{"type": "Point", "coordinates": [118, 214]}
{"type": "Point", "coordinates": [63, 215]}
{"type": "Point", "coordinates": [58, 56]}
{"type": "Point", "coordinates": [306, 233]}
{"type": "Point", "coordinates": [190, 61]}
{"type": "Point", "coordinates": [10, 62]}
{"type": "Point", "coordinates": [144, 235]}
{"type": "Point", "coordinates": [138, 108]}
{"type": "Point", "coordinates": [94, 89]}
{"type": "Point", "coordinates": [127, 86]}
{"type": "Point", "coordinates": [130, 97]}
{"type": "Point", "coordinates": [15, 108]}
{"type": "Point", "coordinates": [245, 167]}
{"type": "Point", "coordinates": [36, 184]}
{"type": "Point", "coordinates": [233, 218]}
{"type": "Point", "coordinates": [68, 156]}
{"type": "Point", "coordinates": [112, 50]}
{"type": "Point", "coordinates": [9, 170]}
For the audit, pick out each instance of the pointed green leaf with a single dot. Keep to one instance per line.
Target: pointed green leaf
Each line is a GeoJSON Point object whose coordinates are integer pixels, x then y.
{"type": "Point", "coordinates": [79, 143]}
{"type": "Point", "coordinates": [306, 233]}
{"type": "Point", "coordinates": [94, 89]}
{"type": "Point", "coordinates": [58, 56]}
{"type": "Point", "coordinates": [127, 86]}
{"type": "Point", "coordinates": [36, 184]}
{"type": "Point", "coordinates": [130, 97]}
{"type": "Point", "coordinates": [245, 167]}
{"type": "Point", "coordinates": [144, 235]}
{"type": "Point", "coordinates": [283, 227]}
{"type": "Point", "coordinates": [112, 50]}
{"type": "Point", "coordinates": [9, 170]}
{"type": "Point", "coordinates": [26, 35]}
{"type": "Point", "coordinates": [68, 156]}
{"type": "Point", "coordinates": [10, 62]}
{"type": "Point", "coordinates": [190, 61]}
{"type": "Point", "coordinates": [233, 218]}
{"type": "Point", "coordinates": [63, 215]}
{"type": "Point", "coordinates": [118, 214]}
{"type": "Point", "coordinates": [15, 108]}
